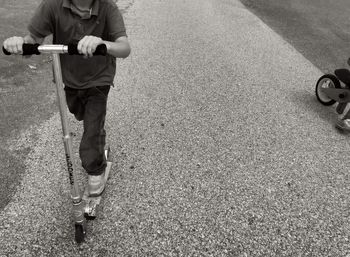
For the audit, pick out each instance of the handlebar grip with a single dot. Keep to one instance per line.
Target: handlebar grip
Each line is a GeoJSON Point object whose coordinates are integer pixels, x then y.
{"type": "Point", "coordinates": [100, 49]}
{"type": "Point", "coordinates": [27, 49]}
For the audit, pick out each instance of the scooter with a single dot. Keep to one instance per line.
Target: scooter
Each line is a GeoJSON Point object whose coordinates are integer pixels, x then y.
{"type": "Point", "coordinates": [334, 88]}
{"type": "Point", "coordinates": [84, 206]}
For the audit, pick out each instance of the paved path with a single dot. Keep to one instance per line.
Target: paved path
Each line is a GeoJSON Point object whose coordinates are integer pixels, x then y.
{"type": "Point", "coordinates": [220, 147]}
{"type": "Point", "coordinates": [319, 29]}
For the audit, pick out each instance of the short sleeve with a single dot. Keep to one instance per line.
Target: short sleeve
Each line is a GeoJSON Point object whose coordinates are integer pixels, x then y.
{"type": "Point", "coordinates": [41, 23]}
{"type": "Point", "coordinates": [116, 27]}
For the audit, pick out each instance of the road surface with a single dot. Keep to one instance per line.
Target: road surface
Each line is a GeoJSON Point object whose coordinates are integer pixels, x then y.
{"type": "Point", "coordinates": [319, 29]}
{"type": "Point", "coordinates": [220, 149]}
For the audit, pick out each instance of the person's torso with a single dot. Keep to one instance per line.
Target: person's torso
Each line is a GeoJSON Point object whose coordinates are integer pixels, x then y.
{"type": "Point", "coordinates": [69, 27]}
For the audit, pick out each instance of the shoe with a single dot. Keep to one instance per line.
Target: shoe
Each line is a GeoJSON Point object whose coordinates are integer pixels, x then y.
{"type": "Point", "coordinates": [343, 125]}
{"type": "Point", "coordinates": [96, 184]}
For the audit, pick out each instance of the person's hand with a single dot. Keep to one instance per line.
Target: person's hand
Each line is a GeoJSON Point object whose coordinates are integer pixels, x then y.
{"type": "Point", "coordinates": [14, 45]}
{"type": "Point", "coordinates": [87, 45]}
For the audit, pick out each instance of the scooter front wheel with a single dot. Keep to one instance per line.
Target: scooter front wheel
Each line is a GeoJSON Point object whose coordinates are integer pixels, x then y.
{"type": "Point", "coordinates": [326, 81]}
{"type": "Point", "coordinates": [80, 233]}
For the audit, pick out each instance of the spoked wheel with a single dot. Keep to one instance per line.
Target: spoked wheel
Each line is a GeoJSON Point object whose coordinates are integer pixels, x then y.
{"type": "Point", "coordinates": [326, 81]}
{"type": "Point", "coordinates": [80, 233]}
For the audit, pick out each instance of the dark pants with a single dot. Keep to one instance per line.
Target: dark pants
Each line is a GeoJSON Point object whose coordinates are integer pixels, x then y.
{"type": "Point", "coordinates": [90, 105]}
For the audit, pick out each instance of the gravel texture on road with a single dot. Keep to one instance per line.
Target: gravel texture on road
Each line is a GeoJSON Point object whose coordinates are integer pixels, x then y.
{"type": "Point", "coordinates": [319, 29]}
{"type": "Point", "coordinates": [219, 145]}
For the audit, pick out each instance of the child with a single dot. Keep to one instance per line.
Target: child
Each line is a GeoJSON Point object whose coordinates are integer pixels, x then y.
{"type": "Point", "coordinates": [87, 78]}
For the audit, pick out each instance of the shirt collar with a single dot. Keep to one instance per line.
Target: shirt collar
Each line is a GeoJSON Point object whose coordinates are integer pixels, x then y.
{"type": "Point", "coordinates": [95, 6]}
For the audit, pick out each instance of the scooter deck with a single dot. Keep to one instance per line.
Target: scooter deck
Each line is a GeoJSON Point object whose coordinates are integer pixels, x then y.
{"type": "Point", "coordinates": [92, 202]}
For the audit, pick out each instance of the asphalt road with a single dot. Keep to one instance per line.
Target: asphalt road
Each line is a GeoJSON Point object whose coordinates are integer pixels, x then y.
{"type": "Point", "coordinates": [319, 29]}
{"type": "Point", "coordinates": [220, 149]}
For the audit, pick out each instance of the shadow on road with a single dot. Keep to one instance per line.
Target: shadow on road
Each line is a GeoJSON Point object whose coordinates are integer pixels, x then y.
{"type": "Point", "coordinates": [318, 29]}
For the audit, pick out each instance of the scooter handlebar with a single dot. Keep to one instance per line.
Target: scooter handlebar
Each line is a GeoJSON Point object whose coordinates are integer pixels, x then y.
{"type": "Point", "coordinates": [30, 49]}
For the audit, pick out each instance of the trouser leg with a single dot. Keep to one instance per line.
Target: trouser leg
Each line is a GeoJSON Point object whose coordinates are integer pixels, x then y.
{"type": "Point", "coordinates": [90, 105]}
{"type": "Point", "coordinates": [75, 102]}
{"type": "Point", "coordinates": [94, 137]}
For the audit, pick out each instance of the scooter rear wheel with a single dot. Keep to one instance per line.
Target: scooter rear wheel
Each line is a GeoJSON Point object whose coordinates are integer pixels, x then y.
{"type": "Point", "coordinates": [326, 81]}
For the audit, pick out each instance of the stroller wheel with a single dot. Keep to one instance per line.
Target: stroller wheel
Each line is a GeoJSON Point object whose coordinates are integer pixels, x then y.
{"type": "Point", "coordinates": [326, 81]}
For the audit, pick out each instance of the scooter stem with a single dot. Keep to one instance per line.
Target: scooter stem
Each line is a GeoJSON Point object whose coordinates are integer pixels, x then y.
{"type": "Point", "coordinates": [78, 212]}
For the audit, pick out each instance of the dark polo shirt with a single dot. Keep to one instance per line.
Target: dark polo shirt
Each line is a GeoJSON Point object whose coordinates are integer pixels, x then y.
{"type": "Point", "coordinates": [68, 24]}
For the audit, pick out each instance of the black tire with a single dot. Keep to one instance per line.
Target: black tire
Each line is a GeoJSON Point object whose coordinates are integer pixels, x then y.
{"type": "Point", "coordinates": [79, 233]}
{"type": "Point", "coordinates": [332, 81]}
